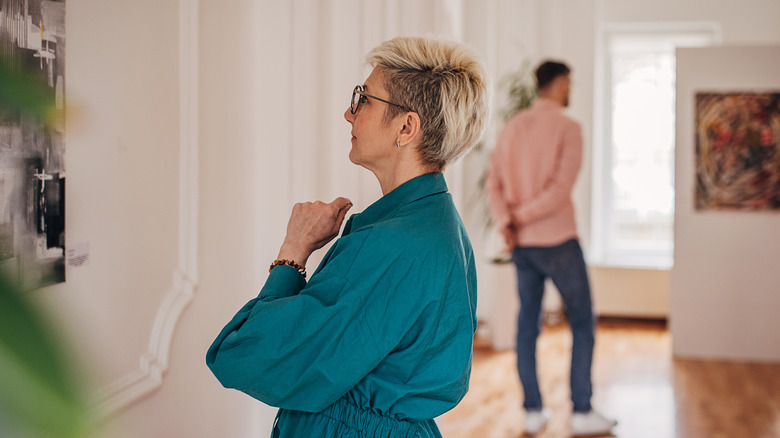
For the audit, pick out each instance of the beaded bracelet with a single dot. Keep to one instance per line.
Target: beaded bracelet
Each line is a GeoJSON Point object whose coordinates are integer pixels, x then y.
{"type": "Point", "coordinates": [290, 263]}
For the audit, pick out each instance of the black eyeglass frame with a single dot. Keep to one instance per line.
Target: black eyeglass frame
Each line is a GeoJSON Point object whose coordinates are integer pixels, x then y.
{"type": "Point", "coordinates": [360, 90]}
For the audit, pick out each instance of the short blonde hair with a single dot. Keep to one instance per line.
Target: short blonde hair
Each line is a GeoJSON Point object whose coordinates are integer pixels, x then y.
{"type": "Point", "coordinates": [445, 83]}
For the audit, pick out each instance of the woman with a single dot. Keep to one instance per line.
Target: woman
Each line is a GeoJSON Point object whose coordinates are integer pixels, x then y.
{"type": "Point", "coordinates": [378, 342]}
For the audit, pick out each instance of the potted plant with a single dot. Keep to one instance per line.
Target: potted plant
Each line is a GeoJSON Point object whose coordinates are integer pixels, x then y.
{"type": "Point", "coordinates": [519, 87]}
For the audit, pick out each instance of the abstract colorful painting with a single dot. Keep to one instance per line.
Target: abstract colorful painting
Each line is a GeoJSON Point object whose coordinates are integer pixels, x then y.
{"type": "Point", "coordinates": [738, 151]}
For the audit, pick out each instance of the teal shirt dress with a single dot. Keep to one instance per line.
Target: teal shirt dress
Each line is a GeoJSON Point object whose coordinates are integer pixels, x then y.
{"type": "Point", "coordinates": [379, 341]}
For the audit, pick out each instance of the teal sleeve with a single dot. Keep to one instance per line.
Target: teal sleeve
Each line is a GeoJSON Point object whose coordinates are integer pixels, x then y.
{"type": "Point", "coordinates": [299, 347]}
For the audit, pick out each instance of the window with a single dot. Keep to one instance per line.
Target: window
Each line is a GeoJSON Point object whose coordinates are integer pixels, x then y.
{"type": "Point", "coordinates": [634, 147]}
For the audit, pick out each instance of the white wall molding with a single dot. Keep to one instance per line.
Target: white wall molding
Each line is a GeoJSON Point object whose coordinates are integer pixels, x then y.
{"type": "Point", "coordinates": [153, 364]}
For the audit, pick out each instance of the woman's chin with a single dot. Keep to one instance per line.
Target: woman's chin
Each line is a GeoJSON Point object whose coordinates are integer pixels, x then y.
{"type": "Point", "coordinates": [354, 156]}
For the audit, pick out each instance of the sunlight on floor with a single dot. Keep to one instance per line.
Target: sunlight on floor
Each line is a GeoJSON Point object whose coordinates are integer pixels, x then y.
{"type": "Point", "coordinates": [635, 380]}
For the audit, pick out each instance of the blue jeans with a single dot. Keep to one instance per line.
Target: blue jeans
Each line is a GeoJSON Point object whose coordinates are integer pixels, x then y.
{"type": "Point", "coordinates": [564, 264]}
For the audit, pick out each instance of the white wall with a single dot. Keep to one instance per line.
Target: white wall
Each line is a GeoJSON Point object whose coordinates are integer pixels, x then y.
{"type": "Point", "coordinates": [725, 278]}
{"type": "Point", "coordinates": [122, 193]}
{"type": "Point", "coordinates": [122, 181]}
{"type": "Point", "coordinates": [134, 195]}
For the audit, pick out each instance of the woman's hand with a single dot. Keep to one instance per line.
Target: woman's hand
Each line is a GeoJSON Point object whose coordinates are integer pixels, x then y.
{"type": "Point", "coordinates": [311, 226]}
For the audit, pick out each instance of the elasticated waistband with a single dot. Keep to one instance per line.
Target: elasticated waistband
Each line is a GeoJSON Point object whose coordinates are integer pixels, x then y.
{"type": "Point", "coordinates": [376, 425]}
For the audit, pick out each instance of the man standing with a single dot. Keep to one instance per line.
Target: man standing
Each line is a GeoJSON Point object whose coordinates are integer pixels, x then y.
{"type": "Point", "coordinates": [532, 171]}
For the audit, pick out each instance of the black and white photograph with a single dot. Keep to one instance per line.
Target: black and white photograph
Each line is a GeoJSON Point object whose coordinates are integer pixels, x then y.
{"type": "Point", "coordinates": [32, 172]}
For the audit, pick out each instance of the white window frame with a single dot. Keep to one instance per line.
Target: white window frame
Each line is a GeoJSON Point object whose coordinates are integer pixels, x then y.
{"type": "Point", "coordinates": [601, 252]}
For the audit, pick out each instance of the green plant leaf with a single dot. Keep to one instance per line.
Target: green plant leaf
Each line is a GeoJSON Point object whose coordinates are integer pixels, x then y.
{"type": "Point", "coordinates": [38, 388]}
{"type": "Point", "coordinates": [24, 91]}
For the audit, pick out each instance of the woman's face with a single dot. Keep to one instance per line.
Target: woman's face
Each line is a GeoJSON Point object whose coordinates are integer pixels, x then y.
{"type": "Point", "coordinates": [373, 140]}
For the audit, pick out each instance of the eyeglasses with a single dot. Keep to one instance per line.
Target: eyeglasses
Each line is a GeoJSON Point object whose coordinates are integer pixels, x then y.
{"type": "Point", "coordinates": [358, 96]}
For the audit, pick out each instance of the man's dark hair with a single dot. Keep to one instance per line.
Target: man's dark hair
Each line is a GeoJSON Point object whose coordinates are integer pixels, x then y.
{"type": "Point", "coordinates": [548, 71]}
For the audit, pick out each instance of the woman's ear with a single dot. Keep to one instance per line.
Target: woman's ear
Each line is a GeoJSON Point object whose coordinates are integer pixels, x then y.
{"type": "Point", "coordinates": [411, 131]}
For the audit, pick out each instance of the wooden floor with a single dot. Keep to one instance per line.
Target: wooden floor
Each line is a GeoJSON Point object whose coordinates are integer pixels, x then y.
{"type": "Point", "coordinates": [635, 380]}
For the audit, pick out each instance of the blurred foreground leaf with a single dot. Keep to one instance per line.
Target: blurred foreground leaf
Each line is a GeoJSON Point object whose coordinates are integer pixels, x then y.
{"type": "Point", "coordinates": [39, 394]}
{"type": "Point", "coordinates": [23, 91]}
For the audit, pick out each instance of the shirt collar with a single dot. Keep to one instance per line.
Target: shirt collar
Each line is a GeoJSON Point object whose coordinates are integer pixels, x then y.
{"type": "Point", "coordinates": [408, 192]}
{"type": "Point", "coordinates": [545, 103]}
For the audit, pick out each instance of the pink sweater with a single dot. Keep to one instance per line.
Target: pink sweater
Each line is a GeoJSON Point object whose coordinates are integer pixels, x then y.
{"type": "Point", "coordinates": [532, 171]}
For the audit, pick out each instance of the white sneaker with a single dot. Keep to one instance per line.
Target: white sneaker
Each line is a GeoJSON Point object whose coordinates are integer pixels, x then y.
{"type": "Point", "coordinates": [535, 421]}
{"type": "Point", "coordinates": [590, 423]}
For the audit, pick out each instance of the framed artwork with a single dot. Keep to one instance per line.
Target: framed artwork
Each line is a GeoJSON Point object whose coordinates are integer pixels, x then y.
{"type": "Point", "coordinates": [737, 151]}
{"type": "Point", "coordinates": [32, 172]}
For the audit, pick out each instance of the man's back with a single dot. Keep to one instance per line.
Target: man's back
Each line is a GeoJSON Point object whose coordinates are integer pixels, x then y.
{"type": "Point", "coordinates": [533, 169]}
